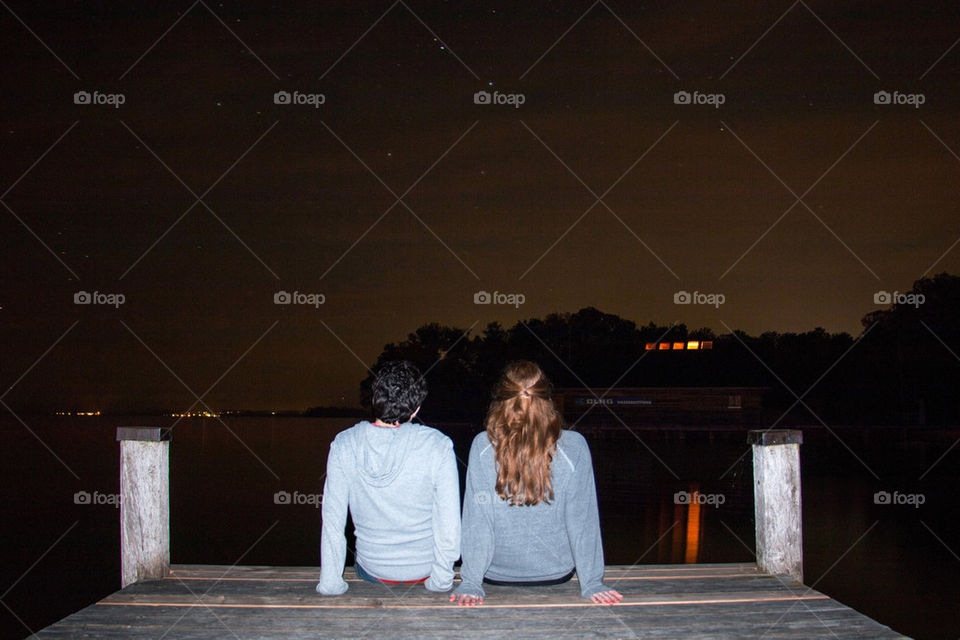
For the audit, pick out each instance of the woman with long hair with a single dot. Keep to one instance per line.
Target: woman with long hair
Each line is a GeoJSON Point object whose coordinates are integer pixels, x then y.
{"type": "Point", "coordinates": [530, 507]}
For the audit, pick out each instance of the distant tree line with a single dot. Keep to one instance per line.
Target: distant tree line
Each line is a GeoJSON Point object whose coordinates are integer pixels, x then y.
{"type": "Point", "coordinates": [903, 368]}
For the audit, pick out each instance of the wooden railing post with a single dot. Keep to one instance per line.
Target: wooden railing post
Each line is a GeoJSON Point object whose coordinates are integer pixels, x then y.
{"type": "Point", "coordinates": [144, 503]}
{"type": "Point", "coordinates": [777, 501]}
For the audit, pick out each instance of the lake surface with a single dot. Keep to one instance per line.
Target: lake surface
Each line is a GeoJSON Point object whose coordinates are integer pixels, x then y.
{"type": "Point", "coordinates": [897, 563]}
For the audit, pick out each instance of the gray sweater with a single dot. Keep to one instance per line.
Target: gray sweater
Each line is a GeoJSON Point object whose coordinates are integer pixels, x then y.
{"type": "Point", "coordinates": [403, 491]}
{"type": "Point", "coordinates": [531, 543]}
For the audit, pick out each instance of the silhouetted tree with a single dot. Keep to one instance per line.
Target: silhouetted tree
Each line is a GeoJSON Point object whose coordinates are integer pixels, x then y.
{"type": "Point", "coordinates": [909, 363]}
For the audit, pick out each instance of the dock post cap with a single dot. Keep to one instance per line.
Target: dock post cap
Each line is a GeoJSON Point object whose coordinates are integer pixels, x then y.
{"type": "Point", "coordinates": [769, 437]}
{"type": "Point", "coordinates": [145, 434]}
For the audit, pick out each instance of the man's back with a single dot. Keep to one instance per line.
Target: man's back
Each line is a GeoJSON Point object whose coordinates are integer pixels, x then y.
{"type": "Point", "coordinates": [402, 488]}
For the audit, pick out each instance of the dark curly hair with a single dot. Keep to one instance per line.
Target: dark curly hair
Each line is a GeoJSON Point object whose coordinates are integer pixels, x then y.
{"type": "Point", "coordinates": [398, 389]}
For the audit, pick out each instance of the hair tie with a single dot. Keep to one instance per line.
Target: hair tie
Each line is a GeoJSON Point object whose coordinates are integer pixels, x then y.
{"type": "Point", "coordinates": [525, 394]}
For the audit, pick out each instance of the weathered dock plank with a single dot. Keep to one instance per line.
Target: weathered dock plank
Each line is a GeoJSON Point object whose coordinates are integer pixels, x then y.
{"type": "Point", "coordinates": [198, 602]}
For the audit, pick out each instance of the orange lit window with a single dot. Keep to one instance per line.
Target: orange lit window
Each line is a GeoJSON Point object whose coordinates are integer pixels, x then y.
{"type": "Point", "coordinates": [678, 345]}
{"type": "Point", "coordinates": [706, 344]}
{"type": "Point", "coordinates": [651, 346]}
{"type": "Point", "coordinates": [664, 346]}
{"type": "Point", "coordinates": [693, 344]}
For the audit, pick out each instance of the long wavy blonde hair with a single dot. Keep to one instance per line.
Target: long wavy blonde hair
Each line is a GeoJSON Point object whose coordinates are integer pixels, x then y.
{"type": "Point", "coordinates": [523, 426]}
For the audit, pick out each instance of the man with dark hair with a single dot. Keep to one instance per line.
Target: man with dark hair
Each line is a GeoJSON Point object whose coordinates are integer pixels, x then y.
{"type": "Point", "coordinates": [398, 390]}
{"type": "Point", "coordinates": [399, 480]}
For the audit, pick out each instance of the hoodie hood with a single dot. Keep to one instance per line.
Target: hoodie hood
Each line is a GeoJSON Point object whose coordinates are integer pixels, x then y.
{"type": "Point", "coordinates": [381, 451]}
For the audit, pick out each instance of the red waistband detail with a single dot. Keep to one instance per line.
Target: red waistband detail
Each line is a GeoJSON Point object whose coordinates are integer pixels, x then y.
{"type": "Point", "coordinates": [403, 581]}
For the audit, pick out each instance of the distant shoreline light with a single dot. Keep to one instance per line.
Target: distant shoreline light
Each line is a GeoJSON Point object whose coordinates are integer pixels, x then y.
{"type": "Point", "coordinates": [195, 414]}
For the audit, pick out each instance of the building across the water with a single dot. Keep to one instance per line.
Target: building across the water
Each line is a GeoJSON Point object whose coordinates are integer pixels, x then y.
{"type": "Point", "coordinates": [662, 405]}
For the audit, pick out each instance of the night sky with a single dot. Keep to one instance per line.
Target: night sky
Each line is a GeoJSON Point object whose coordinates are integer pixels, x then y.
{"type": "Point", "coordinates": [399, 198]}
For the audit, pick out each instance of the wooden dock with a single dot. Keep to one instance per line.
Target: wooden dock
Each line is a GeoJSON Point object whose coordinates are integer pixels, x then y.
{"type": "Point", "coordinates": [660, 601]}
{"type": "Point", "coordinates": [762, 600]}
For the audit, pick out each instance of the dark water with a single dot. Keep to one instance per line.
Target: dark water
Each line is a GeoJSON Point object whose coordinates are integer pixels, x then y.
{"type": "Point", "coordinates": [896, 563]}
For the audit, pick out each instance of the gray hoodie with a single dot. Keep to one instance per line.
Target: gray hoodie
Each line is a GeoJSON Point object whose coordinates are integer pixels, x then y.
{"type": "Point", "coordinates": [403, 492]}
{"type": "Point", "coordinates": [531, 543]}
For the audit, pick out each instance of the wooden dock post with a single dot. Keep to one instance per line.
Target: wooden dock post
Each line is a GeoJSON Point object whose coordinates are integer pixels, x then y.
{"type": "Point", "coordinates": [777, 501]}
{"type": "Point", "coordinates": [144, 503]}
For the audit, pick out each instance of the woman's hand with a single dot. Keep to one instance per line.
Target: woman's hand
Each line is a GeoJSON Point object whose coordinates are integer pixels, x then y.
{"type": "Point", "coordinates": [466, 600]}
{"type": "Point", "coordinates": [606, 597]}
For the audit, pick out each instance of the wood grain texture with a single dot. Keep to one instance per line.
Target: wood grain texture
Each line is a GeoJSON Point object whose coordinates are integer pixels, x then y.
{"type": "Point", "coordinates": [144, 510]}
{"type": "Point", "coordinates": [777, 509]}
{"type": "Point", "coordinates": [660, 601]}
